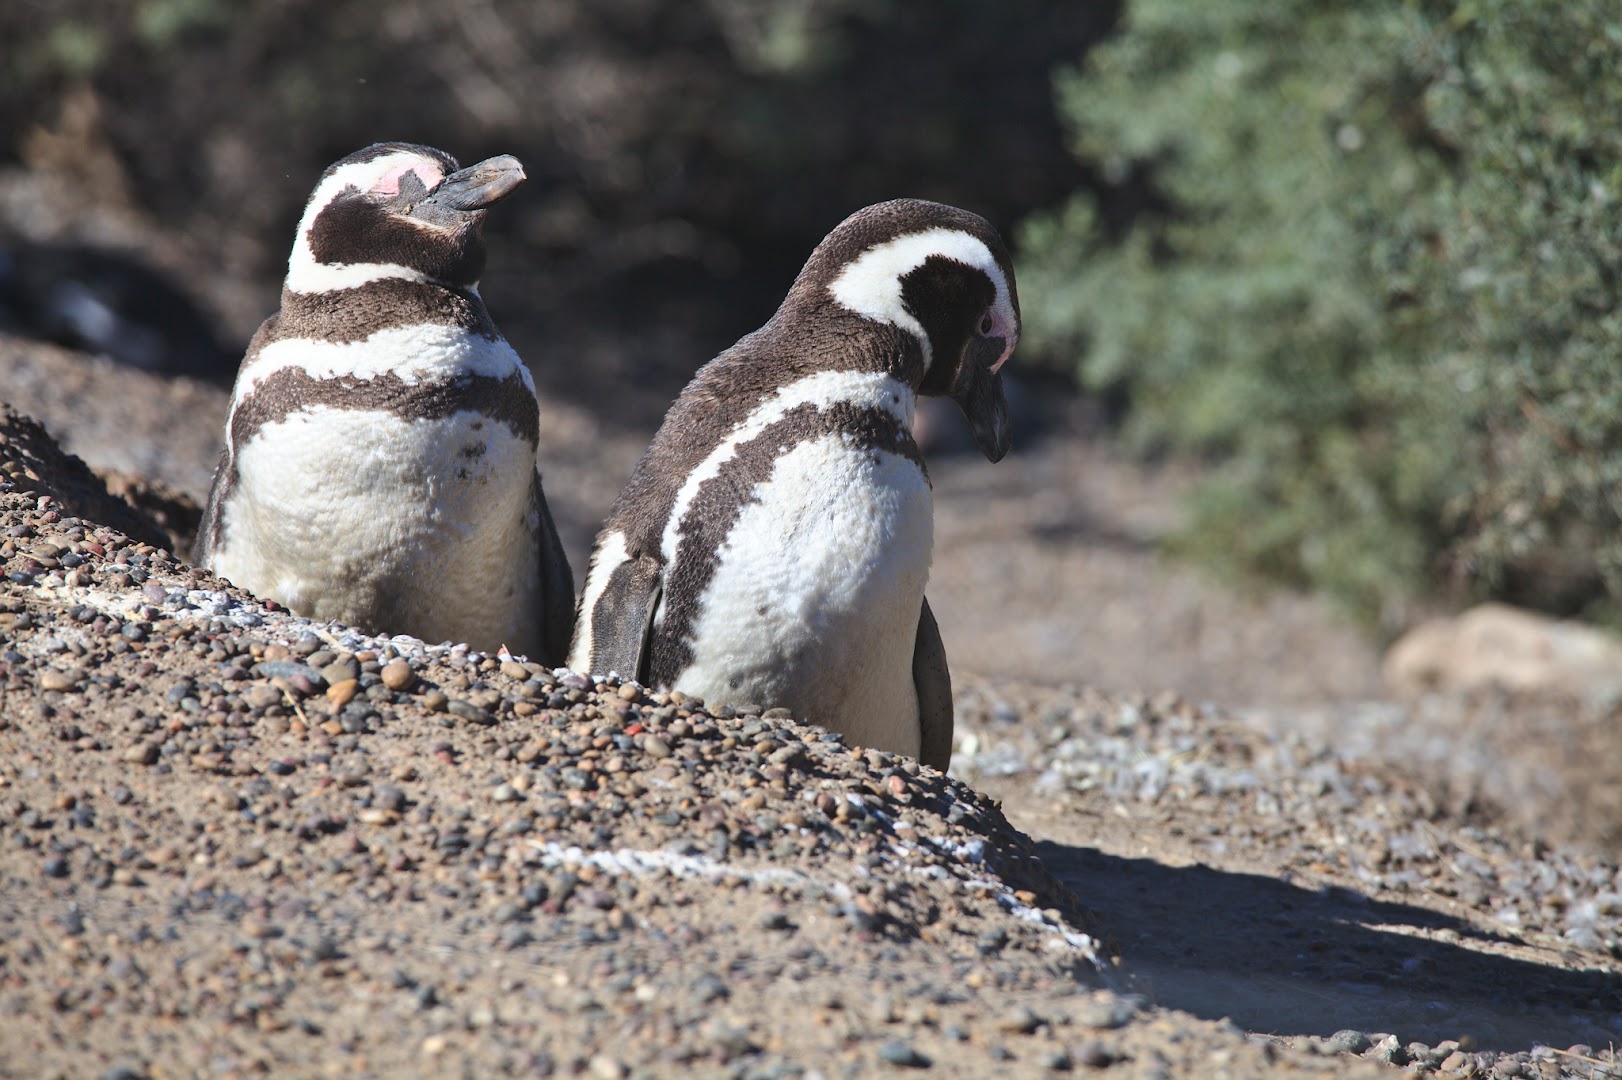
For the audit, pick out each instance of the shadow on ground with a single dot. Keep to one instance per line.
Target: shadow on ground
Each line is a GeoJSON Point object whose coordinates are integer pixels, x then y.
{"type": "Point", "coordinates": [1285, 960]}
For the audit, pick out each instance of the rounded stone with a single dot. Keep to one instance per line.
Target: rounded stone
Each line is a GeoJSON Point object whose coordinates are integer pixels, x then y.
{"type": "Point", "coordinates": [54, 679]}
{"type": "Point", "coordinates": [142, 753]}
{"type": "Point", "coordinates": [397, 674]}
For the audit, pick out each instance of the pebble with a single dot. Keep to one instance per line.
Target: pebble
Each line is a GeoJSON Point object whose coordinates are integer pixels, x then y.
{"type": "Point", "coordinates": [263, 697]}
{"type": "Point", "coordinates": [901, 1052]}
{"type": "Point", "coordinates": [729, 1039]}
{"type": "Point", "coordinates": [1108, 1011]}
{"type": "Point", "coordinates": [142, 753]}
{"type": "Point", "coordinates": [54, 679]}
{"type": "Point", "coordinates": [1019, 1021]}
{"type": "Point", "coordinates": [1094, 1054]}
{"type": "Point", "coordinates": [125, 1071]}
{"type": "Point", "coordinates": [397, 674]}
{"type": "Point", "coordinates": [607, 1068]}
{"type": "Point", "coordinates": [340, 671]}
{"type": "Point", "coordinates": [1345, 1041]}
{"type": "Point", "coordinates": [469, 711]}
{"type": "Point", "coordinates": [707, 988]}
{"type": "Point", "coordinates": [790, 756]}
{"type": "Point", "coordinates": [290, 670]}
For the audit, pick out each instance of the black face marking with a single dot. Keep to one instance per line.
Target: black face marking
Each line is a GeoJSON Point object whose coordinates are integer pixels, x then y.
{"type": "Point", "coordinates": [355, 228]}
{"type": "Point", "coordinates": [355, 314]}
{"type": "Point", "coordinates": [720, 501]}
{"type": "Point", "coordinates": [290, 390]}
{"type": "Point", "coordinates": [948, 299]}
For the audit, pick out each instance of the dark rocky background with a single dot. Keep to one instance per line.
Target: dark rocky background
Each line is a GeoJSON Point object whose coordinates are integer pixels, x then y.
{"type": "Point", "coordinates": [683, 158]}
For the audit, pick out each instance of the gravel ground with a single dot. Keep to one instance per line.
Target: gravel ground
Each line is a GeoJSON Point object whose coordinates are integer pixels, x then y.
{"type": "Point", "coordinates": [239, 842]}
{"type": "Point", "coordinates": [1315, 889]}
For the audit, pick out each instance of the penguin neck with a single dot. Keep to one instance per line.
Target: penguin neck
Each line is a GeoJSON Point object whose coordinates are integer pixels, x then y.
{"type": "Point", "coordinates": [835, 338]}
{"type": "Point", "coordinates": [306, 275]}
{"type": "Point", "coordinates": [300, 293]}
{"type": "Point", "coordinates": [733, 389]}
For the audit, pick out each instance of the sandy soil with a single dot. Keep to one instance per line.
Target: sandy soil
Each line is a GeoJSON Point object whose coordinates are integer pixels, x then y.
{"type": "Point", "coordinates": [1246, 862]}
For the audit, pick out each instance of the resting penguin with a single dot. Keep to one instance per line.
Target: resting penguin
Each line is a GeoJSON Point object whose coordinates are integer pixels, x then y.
{"type": "Point", "coordinates": [773, 544]}
{"type": "Point", "coordinates": [380, 451]}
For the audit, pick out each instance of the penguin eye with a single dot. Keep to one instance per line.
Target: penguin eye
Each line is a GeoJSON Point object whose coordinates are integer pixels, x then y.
{"type": "Point", "coordinates": [987, 324]}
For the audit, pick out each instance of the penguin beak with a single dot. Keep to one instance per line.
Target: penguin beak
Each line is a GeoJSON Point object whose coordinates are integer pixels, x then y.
{"type": "Point", "coordinates": [977, 389]}
{"type": "Point", "coordinates": [978, 392]}
{"type": "Point", "coordinates": [478, 186]}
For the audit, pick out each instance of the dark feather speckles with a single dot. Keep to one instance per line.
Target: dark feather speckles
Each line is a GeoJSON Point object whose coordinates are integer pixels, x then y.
{"type": "Point", "coordinates": [350, 315]}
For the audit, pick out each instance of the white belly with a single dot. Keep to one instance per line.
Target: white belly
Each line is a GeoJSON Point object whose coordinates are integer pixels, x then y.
{"type": "Point", "coordinates": [815, 603]}
{"type": "Point", "coordinates": [420, 527]}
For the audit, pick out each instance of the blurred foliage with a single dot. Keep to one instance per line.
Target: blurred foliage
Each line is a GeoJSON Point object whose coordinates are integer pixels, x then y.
{"type": "Point", "coordinates": [1370, 269]}
{"type": "Point", "coordinates": [684, 157]}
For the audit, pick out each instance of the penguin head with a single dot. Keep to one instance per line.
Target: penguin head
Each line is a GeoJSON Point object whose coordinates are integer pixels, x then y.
{"type": "Point", "coordinates": [944, 277]}
{"type": "Point", "coordinates": [398, 210]}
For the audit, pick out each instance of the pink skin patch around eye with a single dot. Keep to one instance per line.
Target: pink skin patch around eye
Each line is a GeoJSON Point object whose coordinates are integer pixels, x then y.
{"type": "Point", "coordinates": [1000, 328]}
{"type": "Point", "coordinates": [389, 182]}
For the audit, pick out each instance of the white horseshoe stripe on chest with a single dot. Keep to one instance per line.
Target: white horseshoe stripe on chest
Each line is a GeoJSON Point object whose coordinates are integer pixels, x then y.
{"type": "Point", "coordinates": [424, 352]}
{"type": "Point", "coordinates": [866, 389]}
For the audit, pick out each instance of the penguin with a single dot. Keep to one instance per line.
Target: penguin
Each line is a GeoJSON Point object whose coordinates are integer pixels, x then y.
{"type": "Point", "coordinates": [380, 463]}
{"type": "Point", "coordinates": [773, 544]}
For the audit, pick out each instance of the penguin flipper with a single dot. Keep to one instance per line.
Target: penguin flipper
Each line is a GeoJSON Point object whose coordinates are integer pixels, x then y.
{"type": "Point", "coordinates": [557, 585]}
{"type": "Point", "coordinates": [622, 618]}
{"type": "Point", "coordinates": [934, 684]}
{"type": "Point", "coordinates": [208, 528]}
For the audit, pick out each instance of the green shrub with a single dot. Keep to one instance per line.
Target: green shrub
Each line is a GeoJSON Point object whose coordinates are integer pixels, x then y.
{"type": "Point", "coordinates": [1373, 275]}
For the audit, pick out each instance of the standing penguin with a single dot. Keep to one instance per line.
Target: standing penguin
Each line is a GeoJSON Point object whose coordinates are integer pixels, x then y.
{"type": "Point", "coordinates": [380, 452]}
{"type": "Point", "coordinates": [773, 544]}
